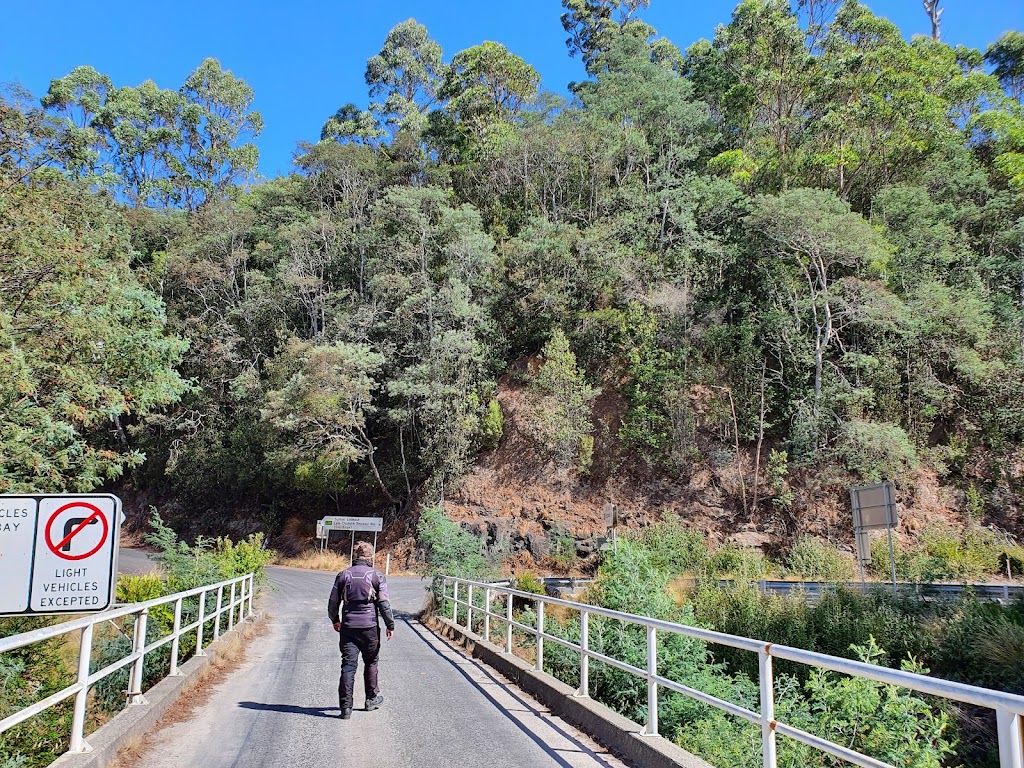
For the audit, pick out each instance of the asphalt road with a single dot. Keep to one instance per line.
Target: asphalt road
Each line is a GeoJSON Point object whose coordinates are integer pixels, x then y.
{"type": "Point", "coordinates": [441, 708]}
{"type": "Point", "coordinates": [134, 561]}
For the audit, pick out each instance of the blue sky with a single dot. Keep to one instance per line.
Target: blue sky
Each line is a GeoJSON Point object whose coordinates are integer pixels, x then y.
{"type": "Point", "coordinates": [304, 59]}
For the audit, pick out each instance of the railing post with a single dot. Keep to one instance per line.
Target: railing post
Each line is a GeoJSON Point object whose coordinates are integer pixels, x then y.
{"type": "Point", "coordinates": [455, 603]}
{"type": "Point", "coordinates": [1010, 726]}
{"type": "Point", "coordinates": [540, 635]}
{"type": "Point", "coordinates": [175, 638]}
{"type": "Point", "coordinates": [78, 743]}
{"type": "Point", "coordinates": [469, 609]}
{"type": "Point", "coordinates": [217, 611]}
{"type": "Point", "coordinates": [767, 683]}
{"type": "Point", "coordinates": [202, 620]}
{"type": "Point", "coordinates": [231, 608]}
{"type": "Point", "coordinates": [252, 590]}
{"type": "Point", "coordinates": [487, 614]}
{"type": "Point", "coordinates": [584, 690]}
{"type": "Point", "coordinates": [652, 685]}
{"type": "Point", "coordinates": [138, 668]}
{"type": "Point", "coordinates": [508, 622]}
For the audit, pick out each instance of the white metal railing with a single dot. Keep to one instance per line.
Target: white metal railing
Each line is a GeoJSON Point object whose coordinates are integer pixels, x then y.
{"type": "Point", "coordinates": [1009, 708]}
{"type": "Point", "coordinates": [239, 602]}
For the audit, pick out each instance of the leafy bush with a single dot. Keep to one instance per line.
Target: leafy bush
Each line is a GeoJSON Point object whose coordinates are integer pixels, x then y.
{"type": "Point", "coordinates": [875, 451]}
{"type": "Point", "coordinates": [943, 553]}
{"type": "Point", "coordinates": [451, 550]}
{"type": "Point", "coordinates": [563, 551]}
{"type": "Point", "coordinates": [812, 560]}
{"type": "Point", "coordinates": [207, 561]}
{"type": "Point", "coordinates": [527, 582]}
{"type": "Point", "coordinates": [737, 562]}
{"type": "Point", "coordinates": [673, 548]}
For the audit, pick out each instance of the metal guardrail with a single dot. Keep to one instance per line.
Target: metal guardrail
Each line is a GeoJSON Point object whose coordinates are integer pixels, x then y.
{"type": "Point", "coordinates": [813, 590]}
{"type": "Point", "coordinates": [1009, 708]}
{"type": "Point", "coordinates": [242, 585]}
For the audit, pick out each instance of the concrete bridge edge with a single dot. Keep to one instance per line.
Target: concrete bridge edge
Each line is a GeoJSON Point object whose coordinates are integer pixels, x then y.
{"type": "Point", "coordinates": [619, 734]}
{"type": "Point", "coordinates": [136, 720]}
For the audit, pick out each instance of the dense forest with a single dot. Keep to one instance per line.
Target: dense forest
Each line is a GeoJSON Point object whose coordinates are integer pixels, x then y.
{"type": "Point", "coordinates": [792, 255]}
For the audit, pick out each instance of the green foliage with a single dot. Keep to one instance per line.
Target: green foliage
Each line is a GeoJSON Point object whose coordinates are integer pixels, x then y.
{"type": "Point", "coordinates": [105, 360]}
{"type": "Point", "coordinates": [559, 403]}
{"type": "Point", "coordinates": [812, 560]}
{"type": "Point", "coordinates": [492, 425]}
{"type": "Point", "coordinates": [205, 562]}
{"type": "Point", "coordinates": [451, 550]}
{"type": "Point", "coordinates": [528, 582]}
{"type": "Point", "coordinates": [945, 554]}
{"type": "Point", "coordinates": [673, 548]}
{"type": "Point", "coordinates": [738, 562]}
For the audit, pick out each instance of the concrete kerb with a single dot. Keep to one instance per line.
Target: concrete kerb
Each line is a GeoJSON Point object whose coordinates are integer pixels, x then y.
{"type": "Point", "coordinates": [135, 720]}
{"type": "Point", "coordinates": [617, 733]}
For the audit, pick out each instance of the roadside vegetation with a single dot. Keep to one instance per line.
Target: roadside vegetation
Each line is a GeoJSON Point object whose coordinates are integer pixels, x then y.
{"type": "Point", "coordinates": [37, 671]}
{"type": "Point", "coordinates": [964, 639]}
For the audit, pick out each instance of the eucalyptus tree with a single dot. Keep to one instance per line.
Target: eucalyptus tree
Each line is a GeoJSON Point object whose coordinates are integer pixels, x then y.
{"type": "Point", "coordinates": [404, 77]}
{"type": "Point", "coordinates": [215, 114]}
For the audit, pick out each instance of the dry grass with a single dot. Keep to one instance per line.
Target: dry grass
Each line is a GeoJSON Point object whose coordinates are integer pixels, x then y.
{"type": "Point", "coordinates": [227, 654]}
{"type": "Point", "coordinates": [315, 560]}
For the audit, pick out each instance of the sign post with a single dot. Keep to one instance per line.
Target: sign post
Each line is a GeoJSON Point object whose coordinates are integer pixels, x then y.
{"type": "Point", "coordinates": [611, 520]}
{"type": "Point", "coordinates": [874, 507]}
{"type": "Point", "coordinates": [58, 553]}
{"type": "Point", "coordinates": [353, 524]}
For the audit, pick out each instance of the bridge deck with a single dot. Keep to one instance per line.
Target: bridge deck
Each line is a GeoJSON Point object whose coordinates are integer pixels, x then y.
{"type": "Point", "coordinates": [441, 708]}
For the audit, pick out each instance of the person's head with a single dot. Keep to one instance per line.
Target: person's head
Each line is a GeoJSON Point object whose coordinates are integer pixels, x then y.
{"type": "Point", "coordinates": [364, 551]}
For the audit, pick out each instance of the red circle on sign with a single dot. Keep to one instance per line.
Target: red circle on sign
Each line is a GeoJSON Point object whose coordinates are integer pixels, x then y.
{"type": "Point", "coordinates": [94, 512]}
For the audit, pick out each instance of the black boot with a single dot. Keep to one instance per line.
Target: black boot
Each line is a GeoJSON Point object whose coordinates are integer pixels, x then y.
{"type": "Point", "coordinates": [346, 713]}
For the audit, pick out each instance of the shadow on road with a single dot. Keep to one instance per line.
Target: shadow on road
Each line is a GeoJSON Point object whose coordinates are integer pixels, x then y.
{"type": "Point", "coordinates": [290, 708]}
{"type": "Point", "coordinates": [426, 635]}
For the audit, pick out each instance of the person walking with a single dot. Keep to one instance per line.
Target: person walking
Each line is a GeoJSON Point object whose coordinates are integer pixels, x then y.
{"type": "Point", "coordinates": [361, 593]}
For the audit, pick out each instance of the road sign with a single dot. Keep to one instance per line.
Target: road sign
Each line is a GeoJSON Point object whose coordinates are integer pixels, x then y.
{"type": "Point", "coordinates": [354, 523]}
{"type": "Point", "coordinates": [58, 552]}
{"type": "Point", "coordinates": [17, 540]}
{"type": "Point", "coordinates": [874, 506]}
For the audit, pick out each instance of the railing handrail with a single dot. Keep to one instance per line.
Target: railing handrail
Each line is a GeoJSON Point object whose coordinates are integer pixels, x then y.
{"type": "Point", "coordinates": [13, 642]}
{"type": "Point", "coordinates": [240, 599]}
{"type": "Point", "coordinates": [1009, 707]}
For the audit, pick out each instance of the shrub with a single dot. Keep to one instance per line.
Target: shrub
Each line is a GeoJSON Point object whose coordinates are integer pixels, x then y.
{"type": "Point", "coordinates": [450, 549]}
{"type": "Point", "coordinates": [737, 562]}
{"type": "Point", "coordinates": [874, 451]}
{"type": "Point", "coordinates": [813, 560]}
{"type": "Point", "coordinates": [673, 548]}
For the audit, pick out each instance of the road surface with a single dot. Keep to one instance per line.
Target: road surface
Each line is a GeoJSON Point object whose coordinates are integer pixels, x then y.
{"type": "Point", "coordinates": [134, 561]}
{"type": "Point", "coordinates": [441, 709]}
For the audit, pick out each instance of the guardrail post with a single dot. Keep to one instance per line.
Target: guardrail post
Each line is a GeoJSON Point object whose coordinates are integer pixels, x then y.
{"type": "Point", "coordinates": [540, 635]}
{"type": "Point", "coordinates": [202, 620]}
{"type": "Point", "coordinates": [469, 609]}
{"type": "Point", "coordinates": [508, 623]}
{"type": "Point", "coordinates": [767, 683]}
{"type": "Point", "coordinates": [78, 743]}
{"type": "Point", "coordinates": [139, 640]}
{"type": "Point", "coordinates": [231, 608]}
{"type": "Point", "coordinates": [175, 638]}
{"type": "Point", "coordinates": [487, 614]}
{"type": "Point", "coordinates": [252, 590]}
{"type": "Point", "coordinates": [584, 690]}
{"type": "Point", "coordinates": [218, 610]}
{"type": "Point", "coordinates": [652, 685]}
{"type": "Point", "coordinates": [1011, 738]}
{"type": "Point", "coordinates": [455, 603]}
